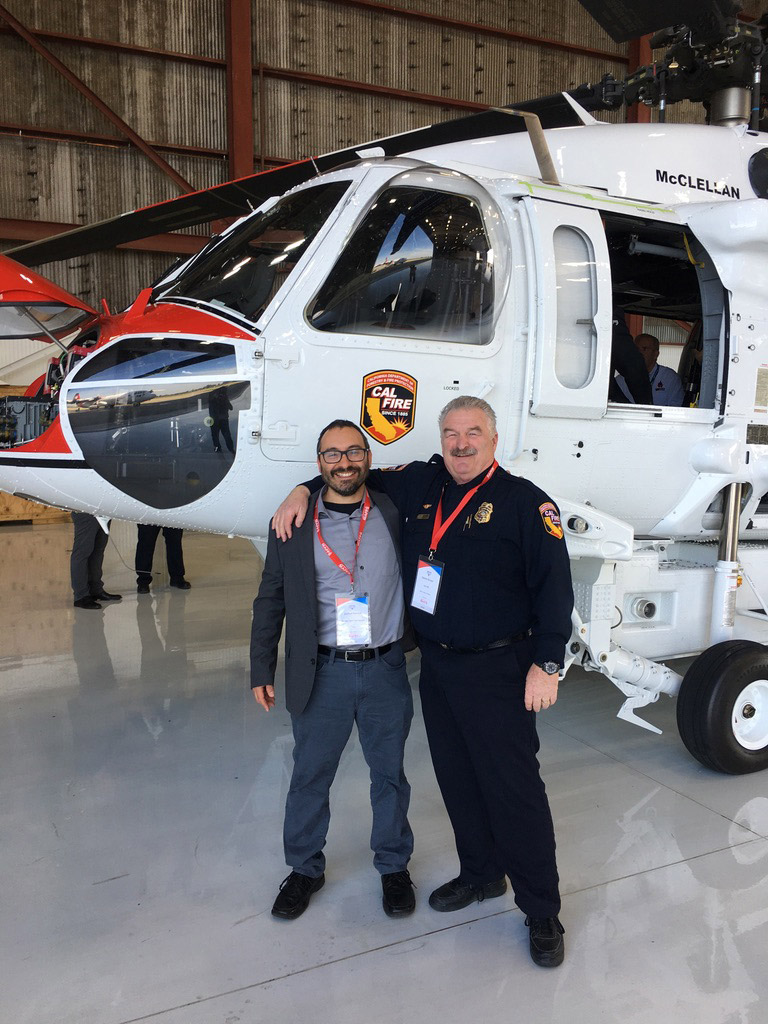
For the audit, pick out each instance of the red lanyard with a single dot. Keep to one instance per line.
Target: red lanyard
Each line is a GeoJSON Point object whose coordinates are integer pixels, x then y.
{"type": "Point", "coordinates": [330, 552]}
{"type": "Point", "coordinates": [439, 526]}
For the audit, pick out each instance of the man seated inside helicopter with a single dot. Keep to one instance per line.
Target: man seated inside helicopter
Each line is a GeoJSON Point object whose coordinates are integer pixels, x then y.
{"type": "Point", "coordinates": [629, 377]}
{"type": "Point", "coordinates": [666, 386]}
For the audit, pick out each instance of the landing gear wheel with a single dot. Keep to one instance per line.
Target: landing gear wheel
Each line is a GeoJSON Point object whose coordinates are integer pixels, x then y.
{"type": "Point", "coordinates": [722, 707]}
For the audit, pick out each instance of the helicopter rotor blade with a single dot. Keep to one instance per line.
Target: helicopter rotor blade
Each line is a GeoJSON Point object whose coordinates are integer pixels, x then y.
{"type": "Point", "coordinates": [239, 197]}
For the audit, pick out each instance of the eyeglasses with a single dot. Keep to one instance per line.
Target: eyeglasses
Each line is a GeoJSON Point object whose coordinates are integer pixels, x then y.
{"type": "Point", "coordinates": [332, 455]}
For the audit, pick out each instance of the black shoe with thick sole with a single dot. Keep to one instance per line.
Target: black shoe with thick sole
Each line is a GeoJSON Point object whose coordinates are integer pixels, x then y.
{"type": "Point", "coordinates": [397, 895]}
{"type": "Point", "coordinates": [295, 893]}
{"type": "Point", "coordinates": [181, 584]}
{"type": "Point", "coordinates": [545, 937]}
{"type": "Point", "coordinates": [87, 602]}
{"type": "Point", "coordinates": [455, 895]}
{"type": "Point", "coordinates": [142, 588]}
{"type": "Point", "coordinates": [104, 596]}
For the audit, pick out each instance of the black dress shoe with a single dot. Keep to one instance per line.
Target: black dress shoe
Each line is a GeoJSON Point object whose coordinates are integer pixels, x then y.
{"type": "Point", "coordinates": [455, 895]}
{"type": "Point", "coordinates": [142, 588]}
{"type": "Point", "coordinates": [295, 893]}
{"type": "Point", "coordinates": [104, 596]}
{"type": "Point", "coordinates": [181, 584]}
{"type": "Point", "coordinates": [545, 937]}
{"type": "Point", "coordinates": [397, 894]}
{"type": "Point", "coordinates": [87, 602]}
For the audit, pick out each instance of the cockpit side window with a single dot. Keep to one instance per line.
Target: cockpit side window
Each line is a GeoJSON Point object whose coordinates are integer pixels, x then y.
{"type": "Point", "coordinates": [243, 270]}
{"type": "Point", "coordinates": [663, 277]}
{"type": "Point", "coordinates": [419, 265]}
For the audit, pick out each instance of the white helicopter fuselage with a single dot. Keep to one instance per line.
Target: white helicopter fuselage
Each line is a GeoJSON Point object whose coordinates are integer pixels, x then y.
{"type": "Point", "coordinates": [640, 486]}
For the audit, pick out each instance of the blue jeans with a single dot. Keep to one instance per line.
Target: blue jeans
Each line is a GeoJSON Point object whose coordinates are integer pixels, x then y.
{"type": "Point", "coordinates": [377, 696]}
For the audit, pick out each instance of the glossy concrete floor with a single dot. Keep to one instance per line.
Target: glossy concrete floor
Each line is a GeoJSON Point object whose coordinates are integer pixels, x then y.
{"type": "Point", "coordinates": [142, 795]}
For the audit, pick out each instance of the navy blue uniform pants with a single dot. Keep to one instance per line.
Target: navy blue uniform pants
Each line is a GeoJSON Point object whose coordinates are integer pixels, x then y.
{"type": "Point", "coordinates": [145, 550]}
{"type": "Point", "coordinates": [484, 744]}
{"type": "Point", "coordinates": [375, 695]}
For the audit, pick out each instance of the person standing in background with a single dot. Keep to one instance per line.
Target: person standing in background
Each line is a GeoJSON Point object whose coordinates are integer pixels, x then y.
{"type": "Point", "coordinates": [145, 550]}
{"type": "Point", "coordinates": [85, 563]}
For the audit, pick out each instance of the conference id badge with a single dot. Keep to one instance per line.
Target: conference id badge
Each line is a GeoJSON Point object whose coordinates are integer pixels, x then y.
{"type": "Point", "coordinates": [353, 621]}
{"type": "Point", "coordinates": [429, 576]}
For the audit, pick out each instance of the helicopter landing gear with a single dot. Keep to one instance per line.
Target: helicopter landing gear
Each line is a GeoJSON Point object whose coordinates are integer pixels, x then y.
{"type": "Point", "coordinates": [722, 707]}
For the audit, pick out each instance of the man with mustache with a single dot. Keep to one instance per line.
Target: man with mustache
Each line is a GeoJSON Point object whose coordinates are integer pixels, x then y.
{"type": "Point", "coordinates": [487, 578]}
{"type": "Point", "coordinates": [337, 583]}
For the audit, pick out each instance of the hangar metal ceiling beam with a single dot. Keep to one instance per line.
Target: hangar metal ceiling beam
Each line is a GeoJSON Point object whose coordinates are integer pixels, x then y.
{"type": "Point", "coordinates": [37, 131]}
{"type": "Point", "coordinates": [265, 71]}
{"type": "Point", "coordinates": [289, 75]}
{"type": "Point", "coordinates": [239, 87]}
{"type": "Point", "coordinates": [91, 96]}
{"type": "Point", "coordinates": [372, 5]}
{"type": "Point", "coordinates": [640, 55]}
{"type": "Point", "coordinates": [120, 47]}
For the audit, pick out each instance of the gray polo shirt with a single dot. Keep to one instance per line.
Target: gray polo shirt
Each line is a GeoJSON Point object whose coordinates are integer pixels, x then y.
{"type": "Point", "coordinates": [376, 573]}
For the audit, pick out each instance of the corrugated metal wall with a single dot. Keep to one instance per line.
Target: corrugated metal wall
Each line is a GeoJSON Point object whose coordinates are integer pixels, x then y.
{"type": "Point", "coordinates": [164, 101]}
{"type": "Point", "coordinates": [187, 26]}
{"type": "Point", "coordinates": [168, 102]}
{"type": "Point", "coordinates": [74, 183]}
{"type": "Point", "coordinates": [361, 45]}
{"type": "Point", "coordinates": [173, 101]}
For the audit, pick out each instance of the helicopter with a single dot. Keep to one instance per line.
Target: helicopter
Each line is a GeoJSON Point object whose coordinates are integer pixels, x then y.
{"type": "Point", "coordinates": [497, 256]}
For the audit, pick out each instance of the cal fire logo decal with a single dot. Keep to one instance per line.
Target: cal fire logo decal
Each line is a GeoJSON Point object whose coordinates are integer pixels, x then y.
{"type": "Point", "coordinates": [551, 519]}
{"type": "Point", "coordinates": [389, 405]}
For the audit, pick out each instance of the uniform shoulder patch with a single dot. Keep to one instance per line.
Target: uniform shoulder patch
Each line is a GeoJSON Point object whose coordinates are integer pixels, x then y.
{"type": "Point", "coordinates": [551, 519]}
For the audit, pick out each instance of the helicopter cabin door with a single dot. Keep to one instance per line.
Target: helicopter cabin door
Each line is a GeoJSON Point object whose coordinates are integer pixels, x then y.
{"type": "Point", "coordinates": [398, 313]}
{"type": "Point", "coordinates": [573, 312]}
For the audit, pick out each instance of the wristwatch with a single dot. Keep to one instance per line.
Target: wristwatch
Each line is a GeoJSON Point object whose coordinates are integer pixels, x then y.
{"type": "Point", "coordinates": [550, 667]}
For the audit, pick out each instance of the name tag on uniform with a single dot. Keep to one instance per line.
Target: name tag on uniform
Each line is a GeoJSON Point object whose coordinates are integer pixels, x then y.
{"type": "Point", "coordinates": [429, 576]}
{"type": "Point", "coordinates": [353, 621]}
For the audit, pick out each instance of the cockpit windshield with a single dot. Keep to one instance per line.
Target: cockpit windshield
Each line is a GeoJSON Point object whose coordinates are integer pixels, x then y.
{"type": "Point", "coordinates": [244, 270]}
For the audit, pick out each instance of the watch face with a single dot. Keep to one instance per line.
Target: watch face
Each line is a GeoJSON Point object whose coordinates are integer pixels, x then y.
{"type": "Point", "coordinates": [550, 667]}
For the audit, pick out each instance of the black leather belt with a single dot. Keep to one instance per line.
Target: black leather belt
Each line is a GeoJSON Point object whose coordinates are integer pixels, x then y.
{"type": "Point", "coordinates": [362, 655]}
{"type": "Point", "coordinates": [488, 647]}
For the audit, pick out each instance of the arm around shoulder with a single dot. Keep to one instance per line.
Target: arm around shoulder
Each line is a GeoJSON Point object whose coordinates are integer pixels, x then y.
{"type": "Point", "coordinates": [291, 511]}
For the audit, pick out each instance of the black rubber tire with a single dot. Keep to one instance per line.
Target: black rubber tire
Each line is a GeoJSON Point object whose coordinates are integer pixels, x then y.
{"type": "Point", "coordinates": [705, 704]}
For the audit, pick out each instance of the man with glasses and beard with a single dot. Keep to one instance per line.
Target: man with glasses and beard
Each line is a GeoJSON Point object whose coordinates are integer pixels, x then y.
{"type": "Point", "coordinates": [487, 579]}
{"type": "Point", "coordinates": [337, 583]}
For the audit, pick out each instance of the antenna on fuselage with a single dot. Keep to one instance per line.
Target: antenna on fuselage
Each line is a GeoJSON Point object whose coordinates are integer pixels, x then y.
{"type": "Point", "coordinates": [547, 171]}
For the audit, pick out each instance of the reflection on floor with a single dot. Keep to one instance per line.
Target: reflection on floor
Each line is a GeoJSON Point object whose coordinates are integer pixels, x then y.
{"type": "Point", "coordinates": [142, 795]}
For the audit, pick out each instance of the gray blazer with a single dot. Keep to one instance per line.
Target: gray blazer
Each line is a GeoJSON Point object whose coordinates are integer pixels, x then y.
{"type": "Point", "coordinates": [287, 592]}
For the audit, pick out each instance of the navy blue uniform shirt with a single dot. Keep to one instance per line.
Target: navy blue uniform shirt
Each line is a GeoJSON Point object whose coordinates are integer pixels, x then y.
{"type": "Point", "coordinates": [506, 563]}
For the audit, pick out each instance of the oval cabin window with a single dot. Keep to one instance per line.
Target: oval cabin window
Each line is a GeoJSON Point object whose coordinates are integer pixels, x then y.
{"type": "Point", "coordinates": [576, 341]}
